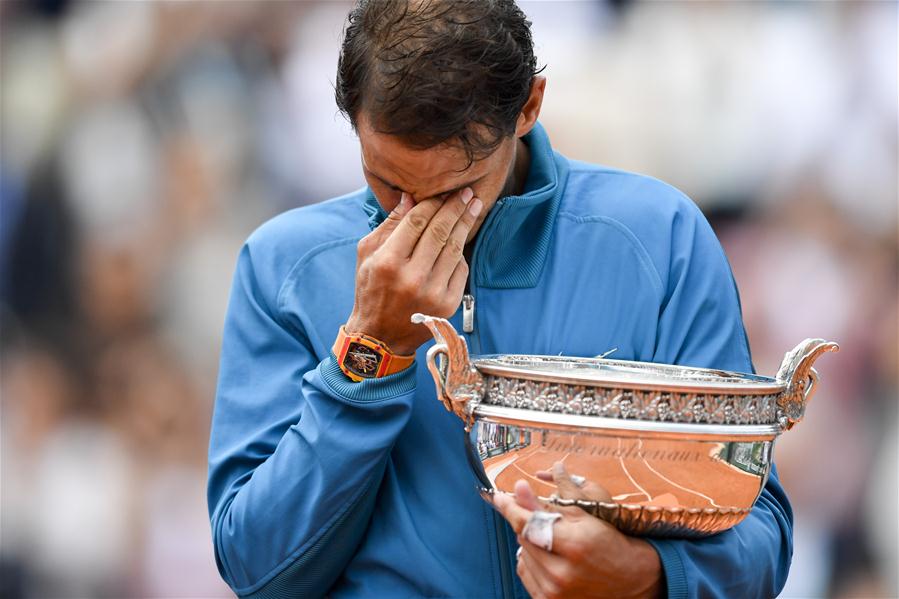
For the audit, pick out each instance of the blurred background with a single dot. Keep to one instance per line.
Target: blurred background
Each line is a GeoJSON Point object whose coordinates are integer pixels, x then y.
{"type": "Point", "coordinates": [143, 141]}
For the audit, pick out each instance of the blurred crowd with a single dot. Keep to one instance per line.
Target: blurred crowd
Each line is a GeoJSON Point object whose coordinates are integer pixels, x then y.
{"type": "Point", "coordinates": [143, 141]}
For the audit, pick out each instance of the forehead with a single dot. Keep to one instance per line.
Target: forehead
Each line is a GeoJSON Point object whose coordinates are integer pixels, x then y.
{"type": "Point", "coordinates": [414, 170]}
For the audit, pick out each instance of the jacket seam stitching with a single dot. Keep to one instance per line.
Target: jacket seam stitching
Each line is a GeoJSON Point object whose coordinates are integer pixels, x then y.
{"type": "Point", "coordinates": [641, 251]}
{"type": "Point", "coordinates": [300, 264]}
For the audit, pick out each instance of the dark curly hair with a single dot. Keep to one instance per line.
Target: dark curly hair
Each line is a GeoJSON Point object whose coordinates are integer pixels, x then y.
{"type": "Point", "coordinates": [437, 71]}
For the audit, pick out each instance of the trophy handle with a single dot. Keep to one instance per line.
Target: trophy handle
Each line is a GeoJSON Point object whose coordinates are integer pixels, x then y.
{"type": "Point", "coordinates": [796, 370]}
{"type": "Point", "coordinates": [459, 384]}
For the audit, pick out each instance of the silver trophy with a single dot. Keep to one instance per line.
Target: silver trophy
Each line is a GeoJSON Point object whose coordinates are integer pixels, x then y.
{"type": "Point", "coordinates": [672, 450]}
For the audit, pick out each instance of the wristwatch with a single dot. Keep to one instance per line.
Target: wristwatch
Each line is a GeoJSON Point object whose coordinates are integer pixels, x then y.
{"type": "Point", "coordinates": [362, 357]}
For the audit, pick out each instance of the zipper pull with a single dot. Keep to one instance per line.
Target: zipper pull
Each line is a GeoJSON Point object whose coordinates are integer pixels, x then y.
{"type": "Point", "coordinates": [468, 313]}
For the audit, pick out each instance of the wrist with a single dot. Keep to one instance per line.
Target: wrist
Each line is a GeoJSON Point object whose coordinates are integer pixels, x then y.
{"type": "Point", "coordinates": [648, 570]}
{"type": "Point", "coordinates": [359, 326]}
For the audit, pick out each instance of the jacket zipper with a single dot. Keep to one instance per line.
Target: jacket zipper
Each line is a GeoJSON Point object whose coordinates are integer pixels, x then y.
{"type": "Point", "coordinates": [467, 312]}
{"type": "Point", "coordinates": [469, 327]}
{"type": "Point", "coordinates": [469, 319]}
{"type": "Point", "coordinates": [469, 322]}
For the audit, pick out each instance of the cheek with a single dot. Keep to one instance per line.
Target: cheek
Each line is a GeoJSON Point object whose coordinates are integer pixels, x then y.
{"type": "Point", "coordinates": [491, 186]}
{"type": "Point", "coordinates": [489, 189]}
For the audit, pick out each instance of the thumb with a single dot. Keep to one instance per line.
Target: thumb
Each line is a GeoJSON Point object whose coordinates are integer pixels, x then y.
{"type": "Point", "coordinates": [525, 496]}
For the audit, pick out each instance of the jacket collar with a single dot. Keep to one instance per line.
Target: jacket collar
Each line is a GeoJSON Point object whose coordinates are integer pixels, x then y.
{"type": "Point", "coordinates": [513, 243]}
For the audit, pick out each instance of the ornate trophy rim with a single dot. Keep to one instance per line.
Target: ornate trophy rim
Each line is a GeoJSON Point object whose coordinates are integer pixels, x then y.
{"type": "Point", "coordinates": [626, 374]}
{"type": "Point", "coordinates": [700, 395]}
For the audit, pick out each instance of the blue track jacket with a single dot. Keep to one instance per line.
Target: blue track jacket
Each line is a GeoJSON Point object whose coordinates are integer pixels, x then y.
{"type": "Point", "coordinates": [318, 485]}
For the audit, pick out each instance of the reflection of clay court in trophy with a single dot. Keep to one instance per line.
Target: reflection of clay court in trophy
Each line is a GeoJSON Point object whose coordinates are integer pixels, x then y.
{"type": "Point", "coordinates": [682, 451]}
{"type": "Point", "coordinates": [639, 471]}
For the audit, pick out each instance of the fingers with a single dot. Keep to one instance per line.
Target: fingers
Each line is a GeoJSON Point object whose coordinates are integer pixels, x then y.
{"type": "Point", "coordinates": [567, 487]}
{"type": "Point", "coordinates": [519, 510]}
{"type": "Point", "coordinates": [571, 486]}
{"type": "Point", "coordinates": [548, 570]}
{"type": "Point", "coordinates": [516, 515]}
{"type": "Point", "coordinates": [439, 231]}
{"type": "Point", "coordinates": [407, 231]}
{"type": "Point", "coordinates": [383, 231]}
{"type": "Point", "coordinates": [451, 253]}
{"type": "Point", "coordinates": [525, 496]}
{"type": "Point", "coordinates": [456, 285]}
{"type": "Point", "coordinates": [528, 579]}
{"type": "Point", "coordinates": [593, 491]}
{"type": "Point", "coordinates": [572, 532]}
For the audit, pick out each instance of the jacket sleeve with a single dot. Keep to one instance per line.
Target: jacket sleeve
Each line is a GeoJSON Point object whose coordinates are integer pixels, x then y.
{"type": "Point", "coordinates": [297, 451]}
{"type": "Point", "coordinates": [701, 325]}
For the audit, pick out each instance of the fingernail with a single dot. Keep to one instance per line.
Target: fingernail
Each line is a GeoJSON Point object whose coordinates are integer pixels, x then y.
{"type": "Point", "coordinates": [467, 194]}
{"type": "Point", "coordinates": [475, 207]}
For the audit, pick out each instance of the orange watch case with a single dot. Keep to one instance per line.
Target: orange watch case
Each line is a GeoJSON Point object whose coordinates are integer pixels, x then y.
{"type": "Point", "coordinates": [362, 357]}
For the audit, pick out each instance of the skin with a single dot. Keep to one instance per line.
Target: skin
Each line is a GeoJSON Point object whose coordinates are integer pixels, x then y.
{"type": "Point", "coordinates": [590, 558]}
{"type": "Point", "coordinates": [415, 261]}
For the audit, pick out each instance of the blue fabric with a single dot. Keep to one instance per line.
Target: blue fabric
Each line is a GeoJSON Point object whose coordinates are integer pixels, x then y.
{"type": "Point", "coordinates": [318, 485]}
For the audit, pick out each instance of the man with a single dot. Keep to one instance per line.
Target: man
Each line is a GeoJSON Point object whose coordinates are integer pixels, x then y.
{"type": "Point", "coordinates": [333, 468]}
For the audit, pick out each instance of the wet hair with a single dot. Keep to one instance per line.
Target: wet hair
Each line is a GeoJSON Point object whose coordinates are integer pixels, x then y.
{"type": "Point", "coordinates": [434, 72]}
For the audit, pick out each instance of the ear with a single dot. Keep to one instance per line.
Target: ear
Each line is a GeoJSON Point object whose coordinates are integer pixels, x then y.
{"type": "Point", "coordinates": [531, 109]}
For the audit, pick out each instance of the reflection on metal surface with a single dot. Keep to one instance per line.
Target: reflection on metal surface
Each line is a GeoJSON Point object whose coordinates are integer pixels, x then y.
{"type": "Point", "coordinates": [718, 479]}
{"type": "Point", "coordinates": [664, 450]}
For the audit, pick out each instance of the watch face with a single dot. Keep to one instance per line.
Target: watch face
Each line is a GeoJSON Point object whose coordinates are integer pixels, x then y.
{"type": "Point", "coordinates": [362, 361]}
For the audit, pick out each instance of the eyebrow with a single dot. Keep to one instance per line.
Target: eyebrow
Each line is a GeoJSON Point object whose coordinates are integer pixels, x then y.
{"type": "Point", "coordinates": [433, 195]}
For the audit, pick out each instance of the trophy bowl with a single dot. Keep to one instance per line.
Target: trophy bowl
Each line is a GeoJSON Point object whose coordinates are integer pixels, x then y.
{"type": "Point", "coordinates": [659, 450]}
